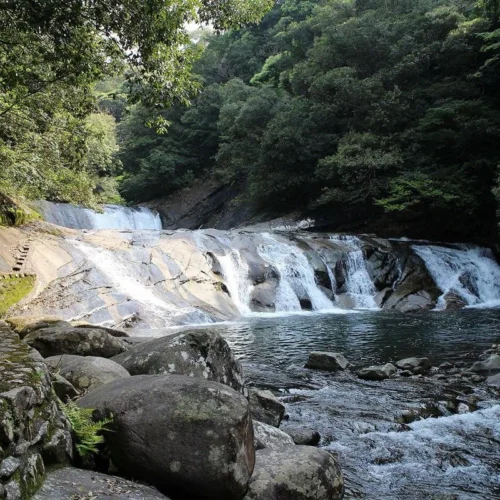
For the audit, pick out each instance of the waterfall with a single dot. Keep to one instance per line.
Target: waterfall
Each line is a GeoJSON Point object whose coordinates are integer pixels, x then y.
{"type": "Point", "coordinates": [296, 276]}
{"type": "Point", "coordinates": [235, 271]}
{"type": "Point", "coordinates": [468, 271]}
{"type": "Point", "coordinates": [359, 285]}
{"type": "Point", "coordinates": [112, 217]}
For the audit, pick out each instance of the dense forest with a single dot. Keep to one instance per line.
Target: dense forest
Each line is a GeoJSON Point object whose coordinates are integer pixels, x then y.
{"type": "Point", "coordinates": [374, 115]}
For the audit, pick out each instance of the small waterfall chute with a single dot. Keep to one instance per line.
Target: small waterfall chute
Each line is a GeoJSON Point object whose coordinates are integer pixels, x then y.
{"type": "Point", "coordinates": [112, 217]}
{"type": "Point", "coordinates": [235, 272]}
{"type": "Point", "coordinates": [296, 276]}
{"type": "Point", "coordinates": [467, 271]}
{"type": "Point", "coordinates": [358, 283]}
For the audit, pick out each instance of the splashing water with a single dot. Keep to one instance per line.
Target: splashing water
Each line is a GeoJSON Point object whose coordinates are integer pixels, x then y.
{"type": "Point", "coordinates": [297, 280]}
{"type": "Point", "coordinates": [469, 272]}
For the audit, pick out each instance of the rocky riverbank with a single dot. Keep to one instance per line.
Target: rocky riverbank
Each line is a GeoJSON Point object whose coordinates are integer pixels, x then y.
{"type": "Point", "coordinates": [181, 419]}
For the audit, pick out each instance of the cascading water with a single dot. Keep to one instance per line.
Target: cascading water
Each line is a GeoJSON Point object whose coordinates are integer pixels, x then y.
{"type": "Point", "coordinates": [296, 276]}
{"type": "Point", "coordinates": [470, 272]}
{"type": "Point", "coordinates": [112, 217]}
{"type": "Point", "coordinates": [358, 282]}
{"type": "Point", "coordinates": [235, 271]}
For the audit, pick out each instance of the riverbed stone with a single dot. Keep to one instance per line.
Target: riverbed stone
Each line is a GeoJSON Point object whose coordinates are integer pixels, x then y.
{"type": "Point", "coordinates": [267, 436]}
{"type": "Point", "coordinates": [302, 435]}
{"type": "Point", "coordinates": [56, 340]}
{"type": "Point", "coordinates": [197, 353]}
{"type": "Point", "coordinates": [416, 365]}
{"type": "Point", "coordinates": [377, 372]}
{"type": "Point", "coordinates": [295, 472]}
{"type": "Point", "coordinates": [71, 483]}
{"type": "Point", "coordinates": [189, 437]}
{"type": "Point", "coordinates": [266, 407]}
{"type": "Point", "coordinates": [494, 380]}
{"type": "Point", "coordinates": [330, 361]}
{"type": "Point", "coordinates": [86, 372]}
{"type": "Point", "coordinates": [490, 364]}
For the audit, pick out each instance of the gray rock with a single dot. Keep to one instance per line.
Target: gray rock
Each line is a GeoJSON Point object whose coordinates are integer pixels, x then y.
{"type": "Point", "coordinates": [491, 364]}
{"type": "Point", "coordinates": [267, 436]}
{"type": "Point", "coordinates": [8, 467]}
{"type": "Point", "coordinates": [195, 353]}
{"type": "Point", "coordinates": [494, 380]}
{"type": "Point", "coordinates": [266, 407]}
{"type": "Point", "coordinates": [112, 331]}
{"type": "Point", "coordinates": [303, 435]}
{"type": "Point", "coordinates": [414, 364]}
{"type": "Point", "coordinates": [74, 340]}
{"type": "Point", "coordinates": [298, 473]}
{"type": "Point", "coordinates": [380, 372]}
{"type": "Point", "coordinates": [186, 436]}
{"type": "Point", "coordinates": [63, 388]}
{"type": "Point", "coordinates": [86, 372]}
{"type": "Point", "coordinates": [71, 483]}
{"type": "Point", "coordinates": [263, 296]}
{"type": "Point", "coordinates": [331, 361]}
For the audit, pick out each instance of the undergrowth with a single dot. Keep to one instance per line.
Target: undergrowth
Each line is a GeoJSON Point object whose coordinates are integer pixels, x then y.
{"type": "Point", "coordinates": [87, 431]}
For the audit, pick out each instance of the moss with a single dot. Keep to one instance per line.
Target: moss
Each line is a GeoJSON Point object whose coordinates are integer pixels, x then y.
{"type": "Point", "coordinates": [13, 290]}
{"type": "Point", "coordinates": [14, 213]}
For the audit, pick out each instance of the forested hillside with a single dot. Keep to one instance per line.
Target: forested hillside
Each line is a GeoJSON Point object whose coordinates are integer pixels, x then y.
{"type": "Point", "coordinates": [378, 115]}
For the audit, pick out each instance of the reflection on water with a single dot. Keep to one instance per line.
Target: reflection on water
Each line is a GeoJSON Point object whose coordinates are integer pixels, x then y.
{"type": "Point", "coordinates": [458, 455]}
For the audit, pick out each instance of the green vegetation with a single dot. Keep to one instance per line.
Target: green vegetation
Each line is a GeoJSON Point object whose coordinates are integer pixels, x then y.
{"type": "Point", "coordinates": [55, 141]}
{"type": "Point", "coordinates": [370, 114]}
{"type": "Point", "coordinates": [88, 433]}
{"type": "Point", "coordinates": [13, 289]}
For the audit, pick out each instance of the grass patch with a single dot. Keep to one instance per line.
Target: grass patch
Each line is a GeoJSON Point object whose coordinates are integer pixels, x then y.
{"type": "Point", "coordinates": [13, 289]}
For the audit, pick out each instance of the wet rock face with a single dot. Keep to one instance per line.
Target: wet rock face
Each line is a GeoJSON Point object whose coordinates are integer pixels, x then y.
{"type": "Point", "coordinates": [303, 435]}
{"type": "Point", "coordinates": [263, 296]}
{"type": "Point", "coordinates": [188, 437]}
{"type": "Point", "coordinates": [198, 354]}
{"type": "Point", "coordinates": [490, 364]}
{"type": "Point", "coordinates": [266, 407]}
{"type": "Point", "coordinates": [71, 483]}
{"type": "Point", "coordinates": [415, 365]}
{"type": "Point", "coordinates": [298, 473]}
{"type": "Point", "coordinates": [53, 341]}
{"type": "Point", "coordinates": [86, 372]}
{"type": "Point", "coordinates": [330, 361]}
{"type": "Point", "coordinates": [33, 431]}
{"type": "Point", "coordinates": [267, 436]}
{"type": "Point", "coordinates": [377, 372]}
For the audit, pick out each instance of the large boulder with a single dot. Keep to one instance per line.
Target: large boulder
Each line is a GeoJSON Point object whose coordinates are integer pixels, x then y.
{"type": "Point", "coordinates": [23, 325]}
{"type": "Point", "coordinates": [86, 372]}
{"type": "Point", "coordinates": [490, 364]}
{"type": "Point", "coordinates": [263, 296]}
{"type": "Point", "coordinates": [112, 331]}
{"type": "Point", "coordinates": [267, 436]}
{"type": "Point", "coordinates": [195, 353]}
{"type": "Point", "coordinates": [302, 435]}
{"type": "Point", "coordinates": [377, 372]}
{"type": "Point", "coordinates": [56, 340]}
{"type": "Point", "coordinates": [266, 407]}
{"type": "Point", "coordinates": [71, 483]}
{"type": "Point", "coordinates": [298, 473]}
{"type": "Point", "coordinates": [189, 437]}
{"type": "Point", "coordinates": [330, 361]}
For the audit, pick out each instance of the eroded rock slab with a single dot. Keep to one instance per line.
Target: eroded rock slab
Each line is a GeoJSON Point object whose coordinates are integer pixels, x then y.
{"type": "Point", "coordinates": [266, 407]}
